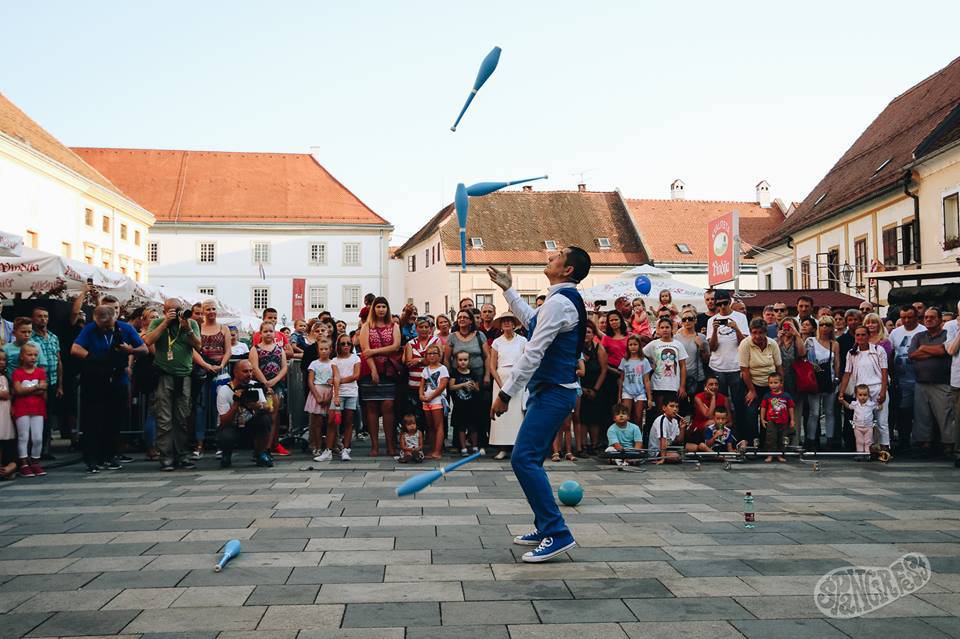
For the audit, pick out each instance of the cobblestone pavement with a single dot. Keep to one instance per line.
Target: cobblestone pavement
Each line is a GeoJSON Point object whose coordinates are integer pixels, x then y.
{"type": "Point", "coordinates": [334, 553]}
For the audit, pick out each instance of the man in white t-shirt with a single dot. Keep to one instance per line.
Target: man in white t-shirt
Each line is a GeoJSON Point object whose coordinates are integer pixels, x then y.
{"type": "Point", "coordinates": [725, 330]}
{"type": "Point", "coordinates": [904, 375]}
{"type": "Point", "coordinates": [243, 406]}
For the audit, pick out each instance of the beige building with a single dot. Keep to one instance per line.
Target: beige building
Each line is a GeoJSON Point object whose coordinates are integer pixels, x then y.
{"type": "Point", "coordinates": [60, 204]}
{"type": "Point", "coordinates": [886, 213]}
{"type": "Point", "coordinates": [520, 229]}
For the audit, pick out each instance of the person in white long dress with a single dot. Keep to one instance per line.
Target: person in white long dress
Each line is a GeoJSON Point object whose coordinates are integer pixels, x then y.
{"type": "Point", "coordinates": [504, 353]}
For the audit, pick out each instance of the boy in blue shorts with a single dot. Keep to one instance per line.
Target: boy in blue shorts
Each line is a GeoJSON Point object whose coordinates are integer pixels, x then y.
{"type": "Point", "coordinates": [718, 435]}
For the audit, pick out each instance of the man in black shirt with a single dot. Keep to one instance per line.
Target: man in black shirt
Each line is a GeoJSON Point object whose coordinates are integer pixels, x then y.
{"type": "Point", "coordinates": [852, 319]}
{"type": "Point", "coordinates": [709, 300]}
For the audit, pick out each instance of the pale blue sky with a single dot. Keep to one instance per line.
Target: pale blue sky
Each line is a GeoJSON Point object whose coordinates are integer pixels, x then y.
{"type": "Point", "coordinates": [634, 93]}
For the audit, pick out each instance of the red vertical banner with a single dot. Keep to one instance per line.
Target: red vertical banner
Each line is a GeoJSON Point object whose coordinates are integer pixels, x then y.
{"type": "Point", "coordinates": [724, 246]}
{"type": "Point", "coordinates": [299, 285]}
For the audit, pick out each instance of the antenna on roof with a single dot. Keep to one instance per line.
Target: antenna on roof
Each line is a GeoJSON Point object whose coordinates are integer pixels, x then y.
{"type": "Point", "coordinates": [582, 173]}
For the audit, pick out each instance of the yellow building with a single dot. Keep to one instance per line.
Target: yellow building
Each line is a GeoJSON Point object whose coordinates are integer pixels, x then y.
{"type": "Point", "coordinates": [886, 213]}
{"type": "Point", "coordinates": [60, 204]}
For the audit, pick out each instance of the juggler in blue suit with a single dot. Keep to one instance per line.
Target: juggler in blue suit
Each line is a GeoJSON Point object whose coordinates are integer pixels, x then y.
{"type": "Point", "coordinates": [548, 369]}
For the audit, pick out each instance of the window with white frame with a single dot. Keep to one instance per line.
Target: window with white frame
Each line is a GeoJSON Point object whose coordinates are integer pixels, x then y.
{"type": "Point", "coordinates": [483, 298]}
{"type": "Point", "coordinates": [550, 245]}
{"type": "Point", "coordinates": [530, 299]}
{"type": "Point", "coordinates": [951, 220]}
{"type": "Point", "coordinates": [88, 217]}
{"type": "Point", "coordinates": [318, 253]}
{"type": "Point", "coordinates": [351, 298]}
{"type": "Point", "coordinates": [123, 231]}
{"type": "Point", "coordinates": [208, 291]}
{"type": "Point", "coordinates": [260, 298]}
{"type": "Point", "coordinates": [136, 237]}
{"type": "Point", "coordinates": [426, 307]}
{"type": "Point", "coordinates": [318, 298]}
{"type": "Point", "coordinates": [208, 252]}
{"type": "Point", "coordinates": [603, 242]}
{"type": "Point", "coordinates": [351, 254]}
{"type": "Point", "coordinates": [261, 252]}
{"type": "Point", "coordinates": [106, 224]}
{"type": "Point", "coordinates": [476, 242]}
{"type": "Point", "coordinates": [411, 263]}
{"type": "Point", "coordinates": [426, 258]}
{"type": "Point", "coordinates": [153, 251]}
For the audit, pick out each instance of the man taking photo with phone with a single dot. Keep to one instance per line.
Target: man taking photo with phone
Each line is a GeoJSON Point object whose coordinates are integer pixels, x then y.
{"type": "Point", "coordinates": [725, 330]}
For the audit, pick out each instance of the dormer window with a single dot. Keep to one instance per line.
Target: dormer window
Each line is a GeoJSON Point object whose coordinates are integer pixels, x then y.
{"type": "Point", "coordinates": [476, 242]}
{"type": "Point", "coordinates": [603, 242]}
{"type": "Point", "coordinates": [882, 164]}
{"type": "Point", "coordinates": [551, 245]}
{"type": "Point", "coordinates": [820, 199]}
{"type": "Point", "coordinates": [683, 248]}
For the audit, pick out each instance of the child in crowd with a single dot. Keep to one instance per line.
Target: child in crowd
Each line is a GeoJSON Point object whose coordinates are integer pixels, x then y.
{"type": "Point", "coordinates": [666, 304]}
{"type": "Point", "coordinates": [322, 376]}
{"type": "Point", "coordinates": [776, 417]}
{"type": "Point", "coordinates": [668, 359]}
{"type": "Point", "coordinates": [411, 441]}
{"type": "Point", "coordinates": [623, 436]}
{"type": "Point", "coordinates": [22, 330]}
{"type": "Point", "coordinates": [635, 379]}
{"type": "Point", "coordinates": [563, 442]}
{"type": "Point", "coordinates": [718, 436]}
{"type": "Point", "coordinates": [346, 394]}
{"type": "Point", "coordinates": [466, 402]}
{"type": "Point", "coordinates": [433, 386]}
{"type": "Point", "coordinates": [8, 435]}
{"type": "Point", "coordinates": [864, 411]}
{"type": "Point", "coordinates": [667, 429]}
{"type": "Point", "coordinates": [29, 409]}
{"type": "Point", "coordinates": [270, 368]}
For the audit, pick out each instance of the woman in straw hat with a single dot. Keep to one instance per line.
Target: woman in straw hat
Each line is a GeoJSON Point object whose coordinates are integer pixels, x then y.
{"type": "Point", "coordinates": [504, 353]}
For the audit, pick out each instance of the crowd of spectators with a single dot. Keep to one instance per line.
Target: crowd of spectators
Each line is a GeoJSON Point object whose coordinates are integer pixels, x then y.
{"type": "Point", "coordinates": [652, 375]}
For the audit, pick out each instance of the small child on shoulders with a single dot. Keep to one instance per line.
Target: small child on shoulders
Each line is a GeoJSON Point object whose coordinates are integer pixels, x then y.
{"type": "Point", "coordinates": [623, 436]}
{"type": "Point", "coordinates": [667, 430]}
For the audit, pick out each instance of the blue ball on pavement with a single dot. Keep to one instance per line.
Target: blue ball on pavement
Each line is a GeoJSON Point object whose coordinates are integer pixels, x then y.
{"type": "Point", "coordinates": [570, 493]}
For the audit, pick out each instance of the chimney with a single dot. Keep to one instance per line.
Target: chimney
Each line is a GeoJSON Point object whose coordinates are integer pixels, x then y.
{"type": "Point", "coordinates": [763, 194]}
{"type": "Point", "coordinates": [527, 188]}
{"type": "Point", "coordinates": [676, 189]}
{"type": "Point", "coordinates": [582, 188]}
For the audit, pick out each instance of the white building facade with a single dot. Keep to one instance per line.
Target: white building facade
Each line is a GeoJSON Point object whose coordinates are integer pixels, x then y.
{"type": "Point", "coordinates": [255, 230]}
{"type": "Point", "coordinates": [61, 205]}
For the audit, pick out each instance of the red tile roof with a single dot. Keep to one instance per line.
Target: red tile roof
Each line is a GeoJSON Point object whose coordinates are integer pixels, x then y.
{"type": "Point", "coordinates": [876, 162]}
{"type": "Point", "coordinates": [17, 125]}
{"type": "Point", "coordinates": [214, 186]}
{"type": "Point", "coordinates": [665, 223]}
{"type": "Point", "coordinates": [514, 225]}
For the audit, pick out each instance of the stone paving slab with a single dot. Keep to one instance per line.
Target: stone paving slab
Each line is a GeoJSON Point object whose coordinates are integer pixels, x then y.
{"type": "Point", "coordinates": [333, 553]}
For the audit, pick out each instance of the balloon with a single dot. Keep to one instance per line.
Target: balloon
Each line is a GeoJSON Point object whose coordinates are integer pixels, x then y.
{"type": "Point", "coordinates": [643, 284]}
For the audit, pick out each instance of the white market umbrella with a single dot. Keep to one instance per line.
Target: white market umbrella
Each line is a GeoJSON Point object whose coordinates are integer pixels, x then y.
{"type": "Point", "coordinates": [625, 286]}
{"type": "Point", "coordinates": [11, 245]}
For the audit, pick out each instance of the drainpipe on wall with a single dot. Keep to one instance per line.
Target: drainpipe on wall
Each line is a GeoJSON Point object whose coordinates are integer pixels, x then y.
{"type": "Point", "coordinates": [907, 178]}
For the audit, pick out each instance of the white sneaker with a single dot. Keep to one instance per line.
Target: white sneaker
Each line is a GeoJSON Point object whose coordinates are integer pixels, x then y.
{"type": "Point", "coordinates": [196, 454]}
{"type": "Point", "coordinates": [325, 456]}
{"type": "Point", "coordinates": [218, 454]}
{"type": "Point", "coordinates": [500, 455]}
{"type": "Point", "coordinates": [619, 462]}
{"type": "Point", "coordinates": [345, 454]}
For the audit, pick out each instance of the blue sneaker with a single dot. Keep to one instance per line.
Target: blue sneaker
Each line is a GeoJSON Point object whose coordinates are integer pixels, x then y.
{"type": "Point", "coordinates": [530, 539]}
{"type": "Point", "coordinates": [550, 547]}
{"type": "Point", "coordinates": [265, 461]}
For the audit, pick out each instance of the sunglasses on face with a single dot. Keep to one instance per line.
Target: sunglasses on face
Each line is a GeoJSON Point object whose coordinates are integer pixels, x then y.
{"type": "Point", "coordinates": [689, 319]}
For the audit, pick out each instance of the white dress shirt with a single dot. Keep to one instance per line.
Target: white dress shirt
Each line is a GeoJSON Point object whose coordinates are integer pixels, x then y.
{"type": "Point", "coordinates": [556, 315]}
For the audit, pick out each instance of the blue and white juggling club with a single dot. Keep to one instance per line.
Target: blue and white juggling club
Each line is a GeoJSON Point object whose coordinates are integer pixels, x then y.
{"type": "Point", "coordinates": [230, 550]}
{"type": "Point", "coordinates": [420, 481]}
{"type": "Point", "coordinates": [487, 68]}
{"type": "Point", "coordinates": [461, 202]}
{"type": "Point", "coordinates": [486, 188]}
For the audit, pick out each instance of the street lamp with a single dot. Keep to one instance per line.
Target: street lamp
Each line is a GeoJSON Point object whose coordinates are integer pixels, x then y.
{"type": "Point", "coordinates": [846, 272]}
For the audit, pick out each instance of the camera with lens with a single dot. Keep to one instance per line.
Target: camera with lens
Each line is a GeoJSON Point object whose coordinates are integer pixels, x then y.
{"type": "Point", "coordinates": [185, 313]}
{"type": "Point", "coordinates": [252, 393]}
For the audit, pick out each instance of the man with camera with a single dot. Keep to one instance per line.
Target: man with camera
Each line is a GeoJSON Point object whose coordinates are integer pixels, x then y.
{"type": "Point", "coordinates": [241, 404]}
{"type": "Point", "coordinates": [174, 337]}
{"type": "Point", "coordinates": [725, 330]}
{"type": "Point", "coordinates": [104, 347]}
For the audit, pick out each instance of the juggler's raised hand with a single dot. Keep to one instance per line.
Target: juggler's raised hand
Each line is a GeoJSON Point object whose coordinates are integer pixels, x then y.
{"type": "Point", "coordinates": [501, 279]}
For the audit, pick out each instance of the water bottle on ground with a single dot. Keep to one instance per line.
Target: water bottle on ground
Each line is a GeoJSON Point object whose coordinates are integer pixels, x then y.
{"type": "Point", "coordinates": [749, 517]}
